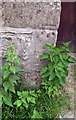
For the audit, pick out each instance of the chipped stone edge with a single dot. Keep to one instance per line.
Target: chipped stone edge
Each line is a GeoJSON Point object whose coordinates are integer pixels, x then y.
{"type": "Point", "coordinates": [31, 1]}
{"type": "Point", "coordinates": [22, 30]}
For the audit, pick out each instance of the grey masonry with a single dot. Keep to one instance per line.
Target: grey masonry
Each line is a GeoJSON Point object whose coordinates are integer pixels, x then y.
{"type": "Point", "coordinates": [30, 24]}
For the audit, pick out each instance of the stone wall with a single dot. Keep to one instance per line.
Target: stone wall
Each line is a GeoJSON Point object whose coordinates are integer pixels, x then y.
{"type": "Point", "coordinates": [30, 25]}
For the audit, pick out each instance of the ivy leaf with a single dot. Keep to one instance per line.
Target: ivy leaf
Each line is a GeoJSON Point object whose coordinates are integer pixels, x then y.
{"type": "Point", "coordinates": [7, 100]}
{"type": "Point", "coordinates": [52, 75]}
{"type": "Point", "coordinates": [43, 70]}
{"type": "Point", "coordinates": [18, 103]}
{"type": "Point", "coordinates": [5, 74]}
{"type": "Point", "coordinates": [44, 56]}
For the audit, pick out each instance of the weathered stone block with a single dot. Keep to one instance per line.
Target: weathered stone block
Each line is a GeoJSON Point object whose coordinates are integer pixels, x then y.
{"type": "Point", "coordinates": [29, 44]}
{"type": "Point", "coordinates": [43, 15]}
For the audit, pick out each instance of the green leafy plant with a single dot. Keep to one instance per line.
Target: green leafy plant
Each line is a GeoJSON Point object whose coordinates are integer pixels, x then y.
{"type": "Point", "coordinates": [10, 75]}
{"type": "Point", "coordinates": [57, 68]}
{"type": "Point", "coordinates": [41, 103]}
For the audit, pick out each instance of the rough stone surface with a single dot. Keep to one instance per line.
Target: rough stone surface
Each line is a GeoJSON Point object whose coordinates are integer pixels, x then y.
{"type": "Point", "coordinates": [43, 15]}
{"type": "Point", "coordinates": [29, 44]}
{"type": "Point", "coordinates": [30, 24]}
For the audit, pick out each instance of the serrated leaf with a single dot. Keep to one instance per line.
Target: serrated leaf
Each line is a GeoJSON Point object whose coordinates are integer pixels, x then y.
{"type": "Point", "coordinates": [12, 68]}
{"type": "Point", "coordinates": [50, 89]}
{"type": "Point", "coordinates": [45, 75]}
{"type": "Point", "coordinates": [13, 78]}
{"type": "Point", "coordinates": [5, 66]}
{"type": "Point", "coordinates": [52, 75]}
{"type": "Point", "coordinates": [43, 70]}
{"type": "Point", "coordinates": [58, 74]}
{"type": "Point", "coordinates": [9, 52]}
{"type": "Point", "coordinates": [1, 102]}
{"type": "Point", "coordinates": [70, 59]}
{"type": "Point", "coordinates": [25, 104]}
{"type": "Point", "coordinates": [5, 74]}
{"type": "Point", "coordinates": [13, 47]}
{"type": "Point", "coordinates": [31, 99]}
{"type": "Point", "coordinates": [67, 43]}
{"type": "Point", "coordinates": [51, 56]}
{"type": "Point", "coordinates": [68, 49]}
{"type": "Point", "coordinates": [17, 60]}
{"type": "Point", "coordinates": [12, 88]}
{"type": "Point", "coordinates": [18, 69]}
{"type": "Point", "coordinates": [36, 115]}
{"type": "Point", "coordinates": [18, 103]}
{"type": "Point", "coordinates": [7, 100]}
{"type": "Point", "coordinates": [44, 56]}
{"type": "Point", "coordinates": [48, 47]}
{"type": "Point", "coordinates": [6, 86]}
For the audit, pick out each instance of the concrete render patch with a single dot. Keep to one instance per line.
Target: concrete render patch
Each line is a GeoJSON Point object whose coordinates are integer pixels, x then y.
{"type": "Point", "coordinates": [42, 15]}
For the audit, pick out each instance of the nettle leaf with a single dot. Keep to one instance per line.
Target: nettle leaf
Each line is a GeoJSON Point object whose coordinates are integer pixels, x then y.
{"type": "Point", "coordinates": [56, 50]}
{"type": "Point", "coordinates": [9, 52]}
{"type": "Point", "coordinates": [45, 75]}
{"type": "Point", "coordinates": [25, 93]}
{"type": "Point", "coordinates": [36, 115]}
{"type": "Point", "coordinates": [62, 82]}
{"type": "Point", "coordinates": [19, 93]}
{"type": "Point", "coordinates": [64, 55]}
{"type": "Point", "coordinates": [51, 56]}
{"type": "Point", "coordinates": [43, 70]}
{"type": "Point", "coordinates": [7, 100]}
{"type": "Point", "coordinates": [60, 64]}
{"type": "Point", "coordinates": [50, 89]}
{"type": "Point", "coordinates": [9, 58]}
{"type": "Point", "coordinates": [18, 69]}
{"type": "Point", "coordinates": [13, 78]}
{"type": "Point", "coordinates": [44, 56]}
{"type": "Point", "coordinates": [31, 99]}
{"type": "Point", "coordinates": [6, 74]}
{"type": "Point", "coordinates": [12, 68]}
{"type": "Point", "coordinates": [13, 47]}
{"type": "Point", "coordinates": [69, 49]}
{"type": "Point", "coordinates": [18, 103]}
{"type": "Point", "coordinates": [58, 74]}
{"type": "Point", "coordinates": [70, 59]}
{"type": "Point", "coordinates": [52, 75]}
{"type": "Point", "coordinates": [11, 87]}
{"type": "Point", "coordinates": [56, 58]}
{"type": "Point", "coordinates": [48, 47]}
{"type": "Point", "coordinates": [6, 86]}
{"type": "Point", "coordinates": [5, 66]}
{"type": "Point", "coordinates": [25, 104]}
{"type": "Point", "coordinates": [51, 67]}
{"type": "Point", "coordinates": [17, 60]}
{"type": "Point", "coordinates": [1, 102]}
{"type": "Point", "coordinates": [67, 43]}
